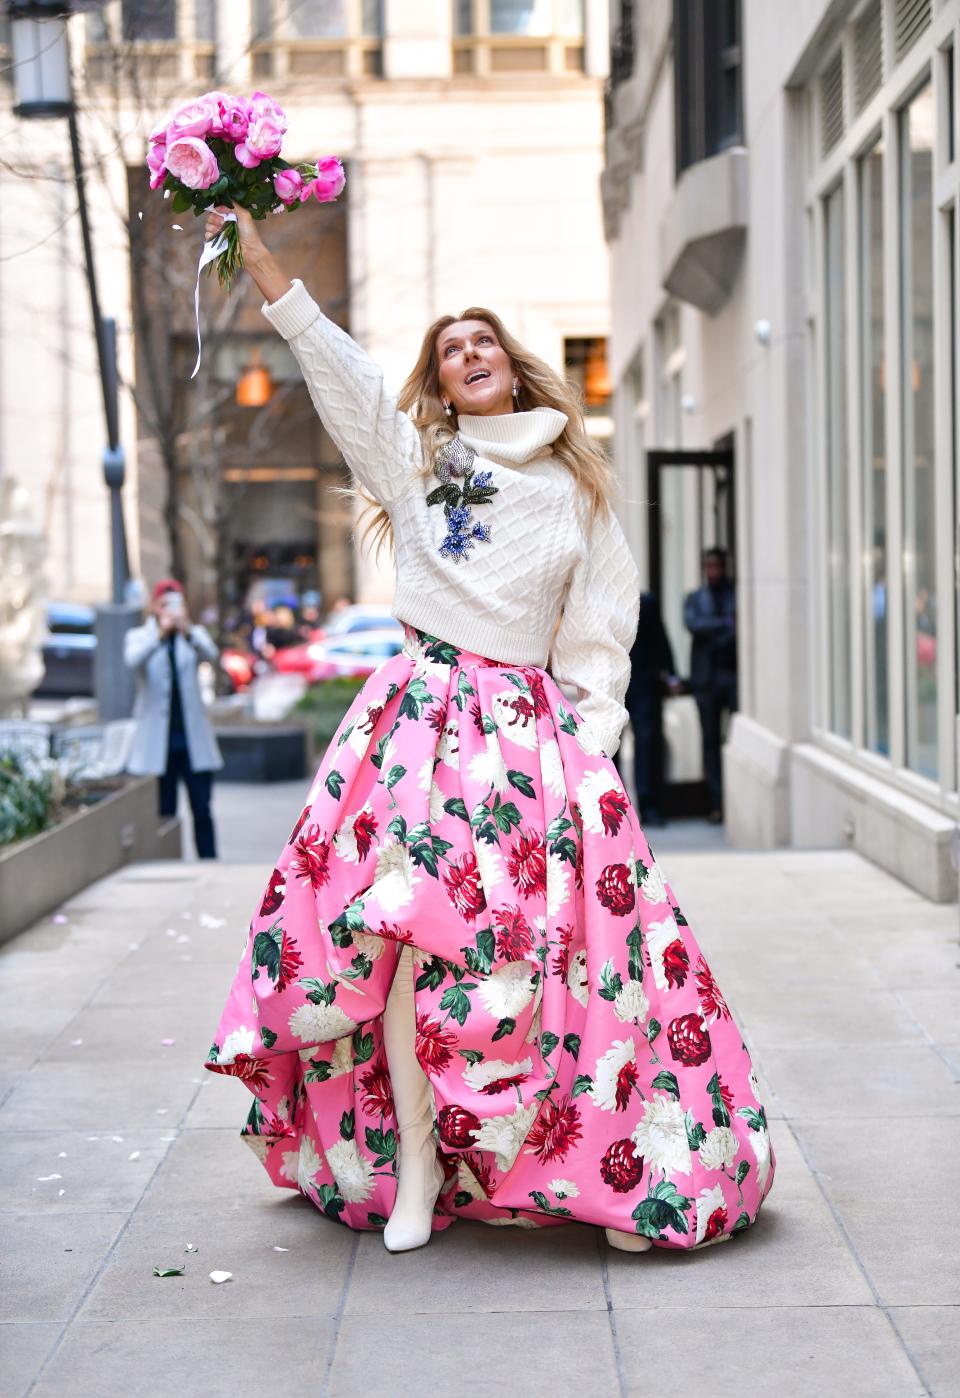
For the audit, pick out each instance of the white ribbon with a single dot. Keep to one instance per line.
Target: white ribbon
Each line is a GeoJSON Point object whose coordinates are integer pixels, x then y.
{"type": "Point", "coordinates": [211, 250]}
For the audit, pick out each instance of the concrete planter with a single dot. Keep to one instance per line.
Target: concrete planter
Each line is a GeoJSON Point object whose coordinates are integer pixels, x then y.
{"type": "Point", "coordinates": [39, 874]}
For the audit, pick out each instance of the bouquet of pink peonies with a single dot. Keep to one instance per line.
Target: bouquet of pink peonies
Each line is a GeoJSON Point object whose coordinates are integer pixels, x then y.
{"type": "Point", "coordinates": [221, 149]}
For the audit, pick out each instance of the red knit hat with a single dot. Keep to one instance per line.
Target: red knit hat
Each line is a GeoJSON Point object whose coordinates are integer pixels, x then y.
{"type": "Point", "coordinates": [164, 586]}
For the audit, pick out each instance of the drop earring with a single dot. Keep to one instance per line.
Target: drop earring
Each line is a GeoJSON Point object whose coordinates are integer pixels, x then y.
{"type": "Point", "coordinates": [448, 409]}
{"type": "Point", "coordinates": [516, 391]}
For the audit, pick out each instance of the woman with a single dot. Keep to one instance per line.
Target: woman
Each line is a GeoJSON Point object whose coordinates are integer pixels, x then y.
{"type": "Point", "coordinates": [173, 739]}
{"type": "Point", "coordinates": [467, 926]}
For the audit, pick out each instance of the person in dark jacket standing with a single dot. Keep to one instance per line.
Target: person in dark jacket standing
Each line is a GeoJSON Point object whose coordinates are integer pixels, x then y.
{"type": "Point", "coordinates": [710, 615]}
{"type": "Point", "coordinates": [652, 670]}
{"type": "Point", "coordinates": [173, 739]}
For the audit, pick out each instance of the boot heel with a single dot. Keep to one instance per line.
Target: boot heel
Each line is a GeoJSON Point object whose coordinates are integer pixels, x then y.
{"type": "Point", "coordinates": [418, 1188]}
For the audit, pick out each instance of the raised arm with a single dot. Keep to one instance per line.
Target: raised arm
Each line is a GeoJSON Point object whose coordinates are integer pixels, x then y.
{"type": "Point", "coordinates": [379, 443]}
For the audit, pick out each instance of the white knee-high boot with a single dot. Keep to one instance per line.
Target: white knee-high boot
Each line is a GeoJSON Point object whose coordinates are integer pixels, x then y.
{"type": "Point", "coordinates": [420, 1174]}
{"type": "Point", "coordinates": [628, 1242]}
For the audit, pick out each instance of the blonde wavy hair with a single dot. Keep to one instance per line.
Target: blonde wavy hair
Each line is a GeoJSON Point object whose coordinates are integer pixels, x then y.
{"type": "Point", "coordinates": [539, 387]}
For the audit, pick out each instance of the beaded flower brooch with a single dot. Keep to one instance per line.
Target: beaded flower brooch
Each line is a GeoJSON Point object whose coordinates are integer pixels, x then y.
{"type": "Point", "coordinates": [455, 459]}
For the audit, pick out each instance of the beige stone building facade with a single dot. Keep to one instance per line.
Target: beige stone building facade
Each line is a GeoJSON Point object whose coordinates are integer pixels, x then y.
{"type": "Point", "coordinates": [780, 196]}
{"type": "Point", "coordinates": [473, 138]}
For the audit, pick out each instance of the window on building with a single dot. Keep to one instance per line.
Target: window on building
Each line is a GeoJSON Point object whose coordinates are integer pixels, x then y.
{"type": "Point", "coordinates": [317, 38]}
{"type": "Point", "coordinates": [670, 357]}
{"type": "Point", "coordinates": [707, 78]}
{"type": "Point", "coordinates": [920, 598]}
{"type": "Point", "coordinates": [838, 516]}
{"type": "Point", "coordinates": [146, 20]}
{"type": "Point", "coordinates": [513, 36]}
{"type": "Point", "coordinates": [876, 713]}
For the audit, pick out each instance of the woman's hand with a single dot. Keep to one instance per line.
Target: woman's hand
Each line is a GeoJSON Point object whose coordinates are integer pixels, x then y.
{"type": "Point", "coordinates": [257, 258]}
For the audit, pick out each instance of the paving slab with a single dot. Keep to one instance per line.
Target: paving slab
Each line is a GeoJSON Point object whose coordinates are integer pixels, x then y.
{"type": "Point", "coordinates": [931, 1334]}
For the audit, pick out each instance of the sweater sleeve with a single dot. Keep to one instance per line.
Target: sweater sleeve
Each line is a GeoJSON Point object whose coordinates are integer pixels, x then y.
{"type": "Point", "coordinates": [591, 650]}
{"type": "Point", "coordinates": [378, 442]}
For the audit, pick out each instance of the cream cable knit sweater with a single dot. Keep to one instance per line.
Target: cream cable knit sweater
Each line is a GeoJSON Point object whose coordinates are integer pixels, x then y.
{"type": "Point", "coordinates": [542, 564]}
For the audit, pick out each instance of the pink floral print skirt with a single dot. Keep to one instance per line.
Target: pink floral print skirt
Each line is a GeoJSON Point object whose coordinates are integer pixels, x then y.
{"type": "Point", "coordinates": [583, 1061]}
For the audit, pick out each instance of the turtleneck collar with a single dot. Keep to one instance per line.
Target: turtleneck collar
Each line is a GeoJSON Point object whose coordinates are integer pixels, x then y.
{"type": "Point", "coordinates": [512, 437]}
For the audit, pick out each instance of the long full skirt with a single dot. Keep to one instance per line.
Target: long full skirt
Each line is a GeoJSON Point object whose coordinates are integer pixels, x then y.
{"type": "Point", "coordinates": [583, 1062]}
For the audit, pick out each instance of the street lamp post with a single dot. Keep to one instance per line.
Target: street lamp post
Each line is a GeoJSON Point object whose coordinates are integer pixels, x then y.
{"type": "Point", "coordinates": [41, 65]}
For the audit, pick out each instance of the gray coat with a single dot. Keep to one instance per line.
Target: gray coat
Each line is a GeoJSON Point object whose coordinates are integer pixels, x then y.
{"type": "Point", "coordinates": [145, 652]}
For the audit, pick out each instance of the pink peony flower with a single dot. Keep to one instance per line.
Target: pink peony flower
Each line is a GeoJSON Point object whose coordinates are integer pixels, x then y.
{"type": "Point", "coordinates": [329, 181]}
{"type": "Point", "coordinates": [157, 165]}
{"type": "Point", "coordinates": [232, 117]}
{"type": "Point", "coordinates": [192, 119]}
{"type": "Point", "coordinates": [192, 162]}
{"type": "Point", "coordinates": [288, 184]}
{"type": "Point", "coordinates": [262, 104]}
{"type": "Point", "coordinates": [262, 141]}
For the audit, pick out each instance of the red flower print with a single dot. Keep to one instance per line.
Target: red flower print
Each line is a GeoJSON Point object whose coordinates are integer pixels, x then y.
{"type": "Point", "coordinates": [626, 1082]}
{"type": "Point", "coordinates": [498, 1085]}
{"type": "Point", "coordinates": [311, 855]}
{"type": "Point", "coordinates": [376, 1090]}
{"type": "Point", "coordinates": [513, 932]}
{"type": "Point", "coordinates": [481, 1172]}
{"type": "Point", "coordinates": [364, 829]}
{"type": "Point", "coordinates": [527, 863]}
{"type": "Point", "coordinates": [523, 711]}
{"type": "Point", "coordinates": [370, 719]}
{"type": "Point", "coordinates": [456, 1126]}
{"type": "Point", "coordinates": [676, 963]}
{"type": "Point", "coordinates": [461, 879]}
{"type": "Point", "coordinates": [726, 1096]}
{"type": "Point", "coordinates": [621, 1168]}
{"type": "Point", "coordinates": [290, 962]}
{"type": "Point", "coordinates": [476, 713]}
{"type": "Point", "coordinates": [689, 1041]}
{"type": "Point", "coordinates": [395, 933]}
{"type": "Point", "coordinates": [299, 825]}
{"type": "Point", "coordinates": [613, 807]}
{"type": "Point", "coordinates": [555, 1130]}
{"type": "Point", "coordinates": [538, 693]}
{"type": "Point", "coordinates": [615, 890]}
{"type": "Point", "coordinates": [561, 960]}
{"type": "Point", "coordinates": [273, 1126]}
{"type": "Point", "coordinates": [578, 866]}
{"type": "Point", "coordinates": [711, 1000]}
{"type": "Point", "coordinates": [434, 1044]}
{"type": "Point", "coordinates": [273, 894]}
{"type": "Point", "coordinates": [716, 1223]}
{"type": "Point", "coordinates": [436, 718]}
{"type": "Point", "coordinates": [253, 1071]}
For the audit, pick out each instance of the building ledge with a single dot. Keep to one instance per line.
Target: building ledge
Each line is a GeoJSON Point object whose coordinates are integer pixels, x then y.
{"type": "Point", "coordinates": [704, 231]}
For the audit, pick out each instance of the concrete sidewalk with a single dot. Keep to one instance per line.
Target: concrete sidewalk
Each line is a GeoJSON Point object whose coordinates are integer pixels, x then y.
{"type": "Point", "coordinates": [118, 1152]}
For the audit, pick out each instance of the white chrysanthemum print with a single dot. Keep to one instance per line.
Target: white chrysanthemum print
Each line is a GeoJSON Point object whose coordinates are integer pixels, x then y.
{"type": "Point", "coordinates": [437, 799]}
{"type": "Point", "coordinates": [301, 1166]}
{"type": "Point", "coordinates": [487, 768]}
{"type": "Point", "coordinates": [318, 1024]}
{"type": "Point", "coordinates": [615, 1075]}
{"type": "Point", "coordinates": [504, 1135]}
{"type": "Point", "coordinates": [345, 840]}
{"type": "Point", "coordinates": [507, 990]}
{"type": "Point", "coordinates": [489, 866]}
{"type": "Point", "coordinates": [468, 1182]}
{"type": "Point", "coordinates": [558, 883]}
{"type": "Point", "coordinates": [591, 787]}
{"type": "Point", "coordinates": [536, 1021]}
{"type": "Point", "coordinates": [361, 733]}
{"type": "Point", "coordinates": [480, 1075]}
{"type": "Point", "coordinates": [719, 1149]}
{"type": "Point", "coordinates": [514, 716]}
{"type": "Point", "coordinates": [707, 1204]}
{"type": "Point", "coordinates": [631, 1003]}
{"type": "Point", "coordinates": [659, 935]}
{"type": "Point", "coordinates": [551, 768]}
{"type": "Point", "coordinates": [351, 1170]}
{"type": "Point", "coordinates": [588, 739]}
{"type": "Point", "coordinates": [563, 1189]}
{"type": "Point", "coordinates": [394, 878]}
{"type": "Point", "coordinates": [760, 1145]}
{"type": "Point", "coordinates": [369, 944]}
{"type": "Point", "coordinates": [283, 1108]}
{"type": "Point", "coordinates": [754, 1082]}
{"type": "Point", "coordinates": [423, 667]}
{"type": "Point", "coordinates": [661, 1135]}
{"type": "Point", "coordinates": [653, 889]}
{"type": "Point", "coordinates": [577, 978]}
{"type": "Point", "coordinates": [239, 1040]}
{"type": "Point", "coordinates": [425, 774]}
{"type": "Point", "coordinates": [448, 749]}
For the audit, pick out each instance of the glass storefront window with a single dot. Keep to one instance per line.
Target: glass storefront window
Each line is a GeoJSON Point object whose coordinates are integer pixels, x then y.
{"type": "Point", "coordinates": [317, 19]}
{"type": "Point", "coordinates": [521, 17]}
{"type": "Point", "coordinates": [874, 448]}
{"type": "Point", "coordinates": [919, 496]}
{"type": "Point", "coordinates": [838, 515]}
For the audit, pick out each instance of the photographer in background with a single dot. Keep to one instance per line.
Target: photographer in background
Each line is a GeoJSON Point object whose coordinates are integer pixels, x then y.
{"type": "Point", "coordinates": [173, 739]}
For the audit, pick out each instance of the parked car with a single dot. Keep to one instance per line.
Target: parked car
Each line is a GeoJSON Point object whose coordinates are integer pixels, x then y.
{"type": "Point", "coordinates": [354, 654]}
{"type": "Point", "coordinates": [362, 616]}
{"type": "Point", "coordinates": [352, 621]}
{"type": "Point", "coordinates": [69, 652]}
